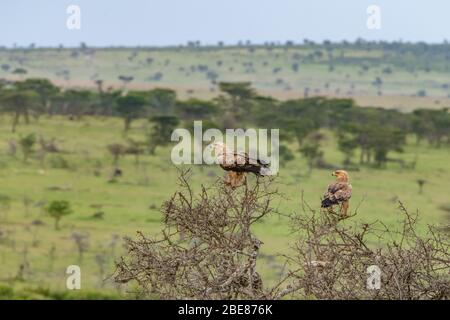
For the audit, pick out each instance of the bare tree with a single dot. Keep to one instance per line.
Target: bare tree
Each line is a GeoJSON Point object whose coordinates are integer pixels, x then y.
{"type": "Point", "coordinates": [81, 241]}
{"type": "Point", "coordinates": [117, 150]}
{"type": "Point", "coordinates": [333, 259]}
{"type": "Point", "coordinates": [207, 251]}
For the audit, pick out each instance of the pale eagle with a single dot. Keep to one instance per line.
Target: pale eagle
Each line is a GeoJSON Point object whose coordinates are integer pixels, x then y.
{"type": "Point", "coordinates": [339, 192]}
{"type": "Point", "coordinates": [238, 164]}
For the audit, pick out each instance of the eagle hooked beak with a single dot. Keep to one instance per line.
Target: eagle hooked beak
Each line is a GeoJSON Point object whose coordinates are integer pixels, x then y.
{"type": "Point", "coordinates": [333, 174]}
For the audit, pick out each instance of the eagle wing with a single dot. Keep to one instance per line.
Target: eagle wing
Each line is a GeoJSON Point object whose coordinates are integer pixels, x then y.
{"type": "Point", "coordinates": [337, 192]}
{"type": "Point", "coordinates": [241, 162]}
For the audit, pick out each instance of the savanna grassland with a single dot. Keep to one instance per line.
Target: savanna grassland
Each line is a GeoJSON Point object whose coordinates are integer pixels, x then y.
{"type": "Point", "coordinates": [81, 172]}
{"type": "Point", "coordinates": [392, 75]}
{"type": "Point", "coordinates": [34, 255]}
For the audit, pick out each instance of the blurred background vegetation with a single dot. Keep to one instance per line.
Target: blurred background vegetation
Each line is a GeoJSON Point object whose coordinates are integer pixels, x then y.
{"type": "Point", "coordinates": [85, 143]}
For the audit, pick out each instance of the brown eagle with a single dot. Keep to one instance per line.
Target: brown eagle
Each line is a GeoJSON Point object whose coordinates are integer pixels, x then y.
{"type": "Point", "coordinates": [339, 192]}
{"type": "Point", "coordinates": [238, 164]}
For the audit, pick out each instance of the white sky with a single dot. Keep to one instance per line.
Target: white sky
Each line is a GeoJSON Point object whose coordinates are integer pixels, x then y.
{"type": "Point", "coordinates": [172, 22]}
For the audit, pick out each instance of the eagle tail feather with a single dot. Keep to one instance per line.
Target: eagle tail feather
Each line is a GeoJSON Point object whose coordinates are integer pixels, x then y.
{"type": "Point", "coordinates": [326, 203]}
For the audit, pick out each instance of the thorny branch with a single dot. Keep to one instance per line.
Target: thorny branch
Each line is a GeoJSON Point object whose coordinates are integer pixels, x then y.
{"type": "Point", "coordinates": [207, 251]}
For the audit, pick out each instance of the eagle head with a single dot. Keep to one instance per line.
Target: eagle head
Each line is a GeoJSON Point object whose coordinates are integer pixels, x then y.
{"type": "Point", "coordinates": [341, 175]}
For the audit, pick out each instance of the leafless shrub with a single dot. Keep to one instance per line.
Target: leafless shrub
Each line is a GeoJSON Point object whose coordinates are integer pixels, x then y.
{"type": "Point", "coordinates": [333, 259]}
{"type": "Point", "coordinates": [81, 241]}
{"type": "Point", "coordinates": [48, 145]}
{"type": "Point", "coordinates": [101, 259]}
{"type": "Point", "coordinates": [117, 150]}
{"type": "Point", "coordinates": [135, 148]}
{"type": "Point", "coordinates": [33, 229]}
{"type": "Point", "coordinates": [208, 251]}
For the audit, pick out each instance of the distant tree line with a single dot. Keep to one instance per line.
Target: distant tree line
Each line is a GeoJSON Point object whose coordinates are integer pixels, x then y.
{"type": "Point", "coordinates": [372, 132]}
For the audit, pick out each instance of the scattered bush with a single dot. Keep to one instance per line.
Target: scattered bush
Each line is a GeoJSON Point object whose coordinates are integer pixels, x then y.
{"type": "Point", "coordinates": [57, 210]}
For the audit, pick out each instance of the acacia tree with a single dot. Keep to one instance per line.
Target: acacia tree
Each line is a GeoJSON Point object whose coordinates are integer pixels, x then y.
{"type": "Point", "coordinates": [45, 90]}
{"type": "Point", "coordinates": [77, 102]}
{"type": "Point", "coordinates": [311, 150]}
{"type": "Point", "coordinates": [195, 109]}
{"type": "Point", "coordinates": [375, 132]}
{"type": "Point", "coordinates": [26, 144]}
{"type": "Point", "coordinates": [161, 101]}
{"type": "Point", "coordinates": [301, 117]}
{"type": "Point", "coordinates": [374, 141]}
{"type": "Point", "coordinates": [57, 210]}
{"type": "Point", "coordinates": [434, 125]}
{"type": "Point", "coordinates": [161, 131]}
{"type": "Point", "coordinates": [130, 107]}
{"type": "Point", "coordinates": [384, 140]}
{"type": "Point", "coordinates": [125, 80]}
{"type": "Point", "coordinates": [19, 102]}
{"type": "Point", "coordinates": [346, 144]}
{"type": "Point", "coordinates": [286, 155]}
{"type": "Point", "coordinates": [236, 101]}
{"type": "Point", "coordinates": [20, 71]}
{"type": "Point", "coordinates": [107, 99]}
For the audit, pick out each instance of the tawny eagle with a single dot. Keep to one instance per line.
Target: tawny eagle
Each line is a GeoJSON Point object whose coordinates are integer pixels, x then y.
{"type": "Point", "coordinates": [238, 164]}
{"type": "Point", "coordinates": [339, 192]}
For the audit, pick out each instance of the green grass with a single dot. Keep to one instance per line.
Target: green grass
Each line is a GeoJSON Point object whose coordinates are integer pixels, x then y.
{"type": "Point", "coordinates": [133, 202]}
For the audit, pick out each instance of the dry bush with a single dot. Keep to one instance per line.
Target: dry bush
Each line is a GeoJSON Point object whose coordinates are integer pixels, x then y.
{"type": "Point", "coordinates": [117, 150]}
{"type": "Point", "coordinates": [333, 259]}
{"type": "Point", "coordinates": [48, 146]}
{"type": "Point", "coordinates": [208, 251]}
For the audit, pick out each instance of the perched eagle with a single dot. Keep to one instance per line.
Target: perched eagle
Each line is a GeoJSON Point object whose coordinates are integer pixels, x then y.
{"type": "Point", "coordinates": [339, 192]}
{"type": "Point", "coordinates": [238, 165]}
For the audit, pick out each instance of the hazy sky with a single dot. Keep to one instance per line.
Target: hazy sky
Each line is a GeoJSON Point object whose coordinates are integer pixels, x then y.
{"type": "Point", "coordinates": [168, 22]}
